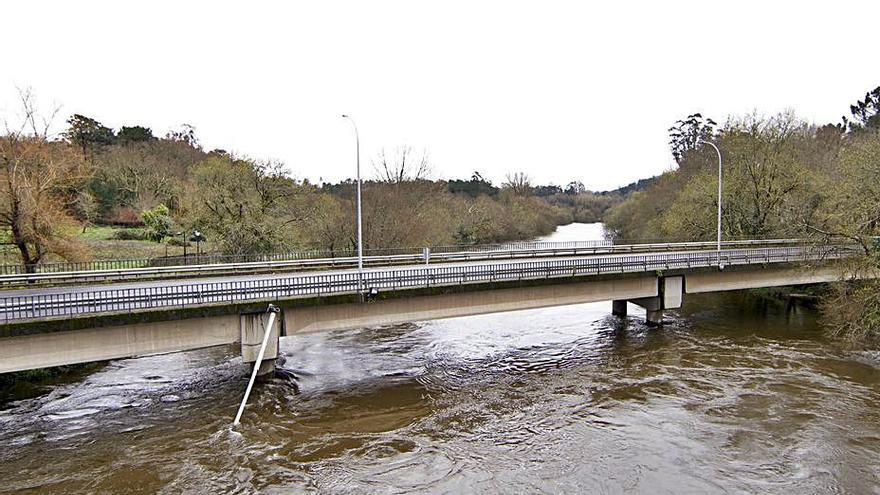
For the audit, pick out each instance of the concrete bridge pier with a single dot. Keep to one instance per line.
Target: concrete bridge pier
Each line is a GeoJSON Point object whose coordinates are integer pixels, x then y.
{"type": "Point", "coordinates": [653, 309]}
{"type": "Point", "coordinates": [618, 308]}
{"type": "Point", "coordinates": [253, 328]}
{"type": "Point", "coordinates": [670, 294]}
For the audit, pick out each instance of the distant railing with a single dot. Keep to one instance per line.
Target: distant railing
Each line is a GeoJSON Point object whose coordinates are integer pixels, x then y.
{"type": "Point", "coordinates": [128, 300]}
{"type": "Point", "coordinates": [441, 254]}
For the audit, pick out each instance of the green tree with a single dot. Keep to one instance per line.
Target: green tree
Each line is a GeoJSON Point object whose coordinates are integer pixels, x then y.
{"type": "Point", "coordinates": [474, 187]}
{"type": "Point", "coordinates": [249, 207]}
{"type": "Point", "coordinates": [134, 134]}
{"type": "Point", "coordinates": [686, 133]}
{"type": "Point", "coordinates": [88, 134]}
{"type": "Point", "coordinates": [865, 113]}
{"type": "Point", "coordinates": [86, 208]}
{"type": "Point", "coordinates": [158, 221]}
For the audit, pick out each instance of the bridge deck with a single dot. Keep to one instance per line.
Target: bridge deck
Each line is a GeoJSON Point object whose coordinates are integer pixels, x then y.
{"type": "Point", "coordinates": [128, 297]}
{"type": "Point", "coordinates": [230, 279]}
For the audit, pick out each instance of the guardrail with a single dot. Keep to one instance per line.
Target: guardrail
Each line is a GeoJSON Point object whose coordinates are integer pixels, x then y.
{"type": "Point", "coordinates": [311, 254]}
{"type": "Point", "coordinates": [426, 255]}
{"type": "Point", "coordinates": [70, 304]}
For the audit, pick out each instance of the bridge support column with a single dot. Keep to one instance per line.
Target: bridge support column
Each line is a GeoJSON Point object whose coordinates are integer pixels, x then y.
{"type": "Point", "coordinates": [618, 308]}
{"type": "Point", "coordinates": [671, 290]}
{"type": "Point", "coordinates": [653, 309]}
{"type": "Point", "coordinates": [654, 317]}
{"type": "Point", "coordinates": [253, 328]}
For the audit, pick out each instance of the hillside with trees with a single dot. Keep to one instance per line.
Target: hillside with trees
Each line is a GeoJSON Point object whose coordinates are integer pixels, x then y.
{"type": "Point", "coordinates": [784, 177]}
{"type": "Point", "coordinates": [98, 193]}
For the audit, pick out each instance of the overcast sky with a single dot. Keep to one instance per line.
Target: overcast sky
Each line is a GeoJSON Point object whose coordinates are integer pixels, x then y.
{"type": "Point", "coordinates": [560, 90]}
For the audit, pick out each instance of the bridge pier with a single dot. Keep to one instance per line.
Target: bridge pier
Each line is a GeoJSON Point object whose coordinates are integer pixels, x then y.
{"type": "Point", "coordinates": [654, 317]}
{"type": "Point", "coordinates": [618, 308]}
{"type": "Point", "coordinates": [670, 294]}
{"type": "Point", "coordinates": [253, 328]}
{"type": "Point", "coordinates": [653, 309]}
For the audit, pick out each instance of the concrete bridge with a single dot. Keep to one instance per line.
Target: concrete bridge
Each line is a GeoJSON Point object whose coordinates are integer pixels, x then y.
{"type": "Point", "coordinates": [73, 324]}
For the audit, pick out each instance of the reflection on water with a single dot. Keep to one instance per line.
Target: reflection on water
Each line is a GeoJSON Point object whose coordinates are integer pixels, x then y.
{"type": "Point", "coordinates": [733, 395]}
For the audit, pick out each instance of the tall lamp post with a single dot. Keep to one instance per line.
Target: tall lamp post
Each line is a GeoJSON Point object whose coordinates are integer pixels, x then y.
{"type": "Point", "coordinates": [357, 141]}
{"type": "Point", "coordinates": [700, 141]}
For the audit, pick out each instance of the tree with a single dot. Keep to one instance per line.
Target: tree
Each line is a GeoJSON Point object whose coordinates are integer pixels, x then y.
{"type": "Point", "coordinates": [544, 191]}
{"type": "Point", "coordinates": [158, 221]}
{"type": "Point", "coordinates": [86, 208]}
{"type": "Point", "coordinates": [518, 183]}
{"type": "Point", "coordinates": [686, 133]}
{"type": "Point", "coordinates": [143, 176]}
{"type": "Point", "coordinates": [88, 134]}
{"type": "Point", "coordinates": [134, 134]}
{"type": "Point", "coordinates": [185, 134]}
{"type": "Point", "coordinates": [36, 175]}
{"type": "Point", "coordinates": [403, 166]}
{"type": "Point", "coordinates": [866, 113]}
{"type": "Point", "coordinates": [474, 187]}
{"type": "Point", "coordinates": [575, 187]}
{"type": "Point", "coordinates": [851, 212]}
{"type": "Point", "coordinates": [249, 207]}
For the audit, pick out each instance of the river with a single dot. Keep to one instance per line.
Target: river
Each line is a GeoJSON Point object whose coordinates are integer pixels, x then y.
{"type": "Point", "coordinates": [734, 394]}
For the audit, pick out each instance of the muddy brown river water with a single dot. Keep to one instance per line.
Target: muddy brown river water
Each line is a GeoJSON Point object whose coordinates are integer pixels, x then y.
{"type": "Point", "coordinates": [733, 395]}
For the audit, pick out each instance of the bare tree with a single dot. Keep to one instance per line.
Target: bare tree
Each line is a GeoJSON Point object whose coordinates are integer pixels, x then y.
{"type": "Point", "coordinates": [404, 166]}
{"type": "Point", "coordinates": [519, 183]}
{"type": "Point", "coordinates": [37, 176]}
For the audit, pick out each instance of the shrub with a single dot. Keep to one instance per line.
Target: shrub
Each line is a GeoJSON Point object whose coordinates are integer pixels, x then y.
{"type": "Point", "coordinates": [130, 235]}
{"type": "Point", "coordinates": [174, 241]}
{"type": "Point", "coordinates": [158, 222]}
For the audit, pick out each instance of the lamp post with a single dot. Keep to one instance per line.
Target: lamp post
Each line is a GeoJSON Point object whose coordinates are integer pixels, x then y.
{"type": "Point", "coordinates": [700, 141]}
{"type": "Point", "coordinates": [360, 241]}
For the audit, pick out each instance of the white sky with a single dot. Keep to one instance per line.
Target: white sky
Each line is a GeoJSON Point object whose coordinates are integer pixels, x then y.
{"type": "Point", "coordinates": [560, 90]}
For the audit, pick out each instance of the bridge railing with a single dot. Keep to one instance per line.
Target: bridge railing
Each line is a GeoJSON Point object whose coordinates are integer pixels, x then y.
{"type": "Point", "coordinates": [441, 254]}
{"type": "Point", "coordinates": [129, 300]}
{"type": "Point", "coordinates": [348, 254]}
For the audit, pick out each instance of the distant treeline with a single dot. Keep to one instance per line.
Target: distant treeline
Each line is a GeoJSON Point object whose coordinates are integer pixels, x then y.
{"type": "Point", "coordinates": [168, 185]}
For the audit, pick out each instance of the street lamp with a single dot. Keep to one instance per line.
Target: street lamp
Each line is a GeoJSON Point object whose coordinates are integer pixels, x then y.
{"type": "Point", "coordinates": [700, 141]}
{"type": "Point", "coordinates": [198, 237]}
{"type": "Point", "coordinates": [357, 141]}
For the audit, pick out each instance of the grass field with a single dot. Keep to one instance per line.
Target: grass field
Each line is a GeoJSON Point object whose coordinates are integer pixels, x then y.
{"type": "Point", "coordinates": [100, 245]}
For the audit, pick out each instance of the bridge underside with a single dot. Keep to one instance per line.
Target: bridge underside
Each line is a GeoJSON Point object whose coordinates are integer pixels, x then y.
{"type": "Point", "coordinates": [29, 349]}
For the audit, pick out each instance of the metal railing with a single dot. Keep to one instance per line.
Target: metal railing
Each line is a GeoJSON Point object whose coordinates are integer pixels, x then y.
{"type": "Point", "coordinates": [128, 300]}
{"type": "Point", "coordinates": [312, 254]}
{"type": "Point", "coordinates": [442, 254]}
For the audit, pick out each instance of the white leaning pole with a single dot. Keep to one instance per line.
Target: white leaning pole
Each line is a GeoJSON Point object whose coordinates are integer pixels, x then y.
{"type": "Point", "coordinates": [273, 311]}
